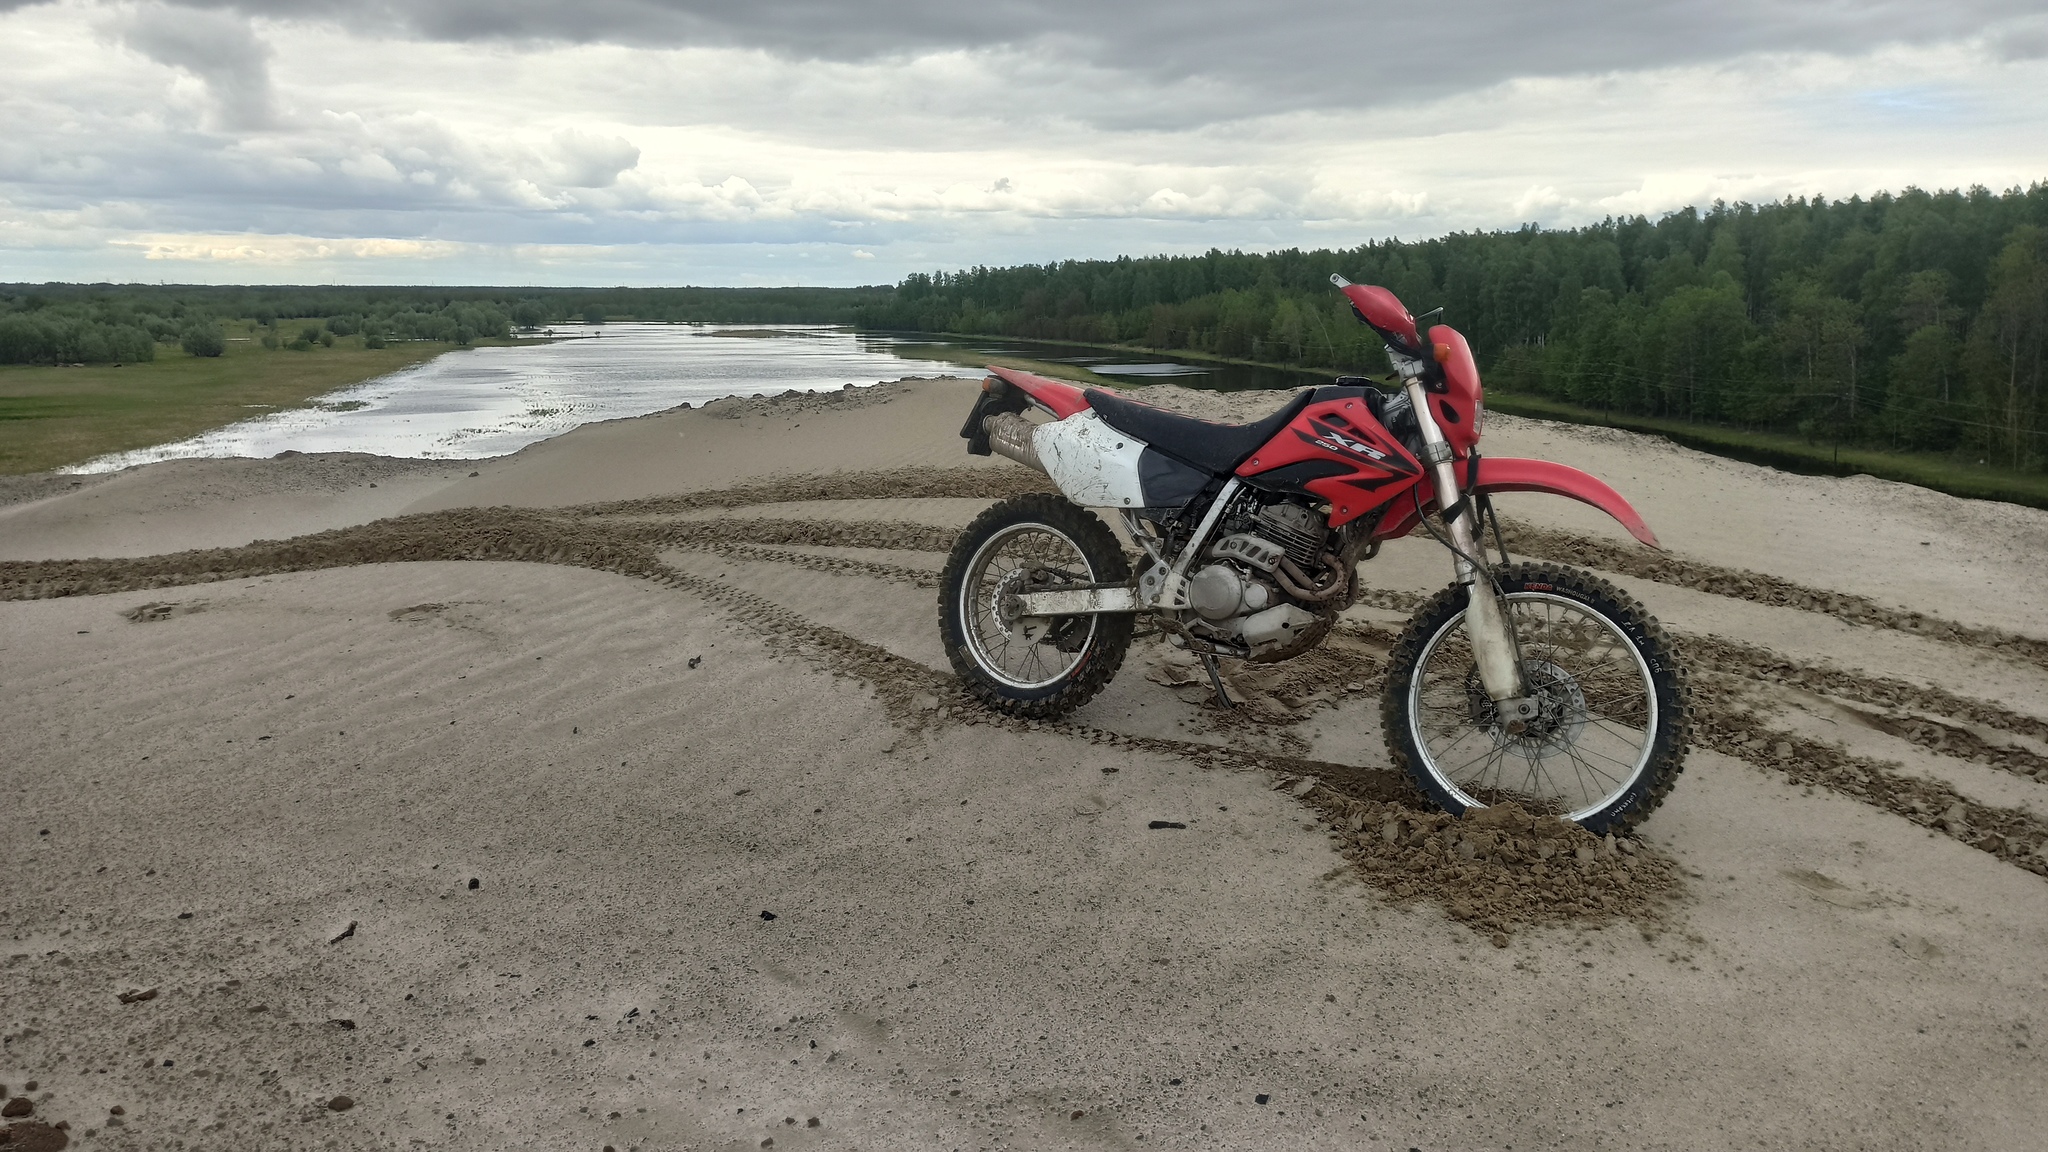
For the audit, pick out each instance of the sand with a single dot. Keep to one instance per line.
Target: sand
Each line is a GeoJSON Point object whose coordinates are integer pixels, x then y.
{"type": "Point", "coordinates": [617, 795]}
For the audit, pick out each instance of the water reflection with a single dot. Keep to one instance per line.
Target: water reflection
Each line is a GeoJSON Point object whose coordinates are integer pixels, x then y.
{"type": "Point", "coordinates": [483, 402]}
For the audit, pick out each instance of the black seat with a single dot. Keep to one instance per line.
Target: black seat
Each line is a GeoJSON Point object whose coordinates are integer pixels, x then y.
{"type": "Point", "coordinates": [1215, 448]}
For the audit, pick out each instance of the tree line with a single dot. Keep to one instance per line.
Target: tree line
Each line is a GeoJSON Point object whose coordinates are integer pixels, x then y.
{"type": "Point", "coordinates": [109, 323]}
{"type": "Point", "coordinates": [1912, 321]}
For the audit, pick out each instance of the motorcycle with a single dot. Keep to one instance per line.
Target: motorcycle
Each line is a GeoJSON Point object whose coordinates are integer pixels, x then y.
{"type": "Point", "coordinates": [1529, 682]}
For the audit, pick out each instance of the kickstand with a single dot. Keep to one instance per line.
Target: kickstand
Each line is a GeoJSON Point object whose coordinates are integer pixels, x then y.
{"type": "Point", "coordinates": [1216, 679]}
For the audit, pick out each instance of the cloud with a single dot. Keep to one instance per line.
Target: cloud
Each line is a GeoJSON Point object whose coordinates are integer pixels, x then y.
{"type": "Point", "coordinates": [581, 160]}
{"type": "Point", "coordinates": [1263, 55]}
{"type": "Point", "coordinates": [218, 48]}
{"type": "Point", "coordinates": [268, 141]}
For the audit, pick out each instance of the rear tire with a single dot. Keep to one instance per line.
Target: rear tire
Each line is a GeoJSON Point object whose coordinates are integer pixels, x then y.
{"type": "Point", "coordinates": [1032, 668]}
{"type": "Point", "coordinates": [1612, 736]}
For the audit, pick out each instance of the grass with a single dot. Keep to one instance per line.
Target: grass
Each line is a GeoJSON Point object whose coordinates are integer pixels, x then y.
{"type": "Point", "coordinates": [1794, 454]}
{"type": "Point", "coordinates": [54, 417]}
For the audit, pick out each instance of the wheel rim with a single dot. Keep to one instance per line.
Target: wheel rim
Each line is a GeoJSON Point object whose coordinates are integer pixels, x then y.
{"type": "Point", "coordinates": [1596, 727]}
{"type": "Point", "coordinates": [1024, 652]}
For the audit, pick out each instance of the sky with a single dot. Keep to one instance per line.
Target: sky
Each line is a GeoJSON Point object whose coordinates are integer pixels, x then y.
{"type": "Point", "coordinates": [836, 142]}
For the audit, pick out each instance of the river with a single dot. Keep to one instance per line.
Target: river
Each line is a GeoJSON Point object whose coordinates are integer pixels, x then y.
{"type": "Point", "coordinates": [491, 401]}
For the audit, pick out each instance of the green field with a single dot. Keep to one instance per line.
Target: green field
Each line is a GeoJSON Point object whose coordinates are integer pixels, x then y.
{"type": "Point", "coordinates": [54, 417]}
{"type": "Point", "coordinates": [1793, 454]}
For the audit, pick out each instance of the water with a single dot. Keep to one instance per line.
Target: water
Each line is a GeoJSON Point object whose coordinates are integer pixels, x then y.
{"type": "Point", "coordinates": [483, 402]}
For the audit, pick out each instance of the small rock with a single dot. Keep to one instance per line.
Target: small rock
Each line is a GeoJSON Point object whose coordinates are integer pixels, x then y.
{"type": "Point", "coordinates": [19, 1106]}
{"type": "Point", "coordinates": [696, 660]}
{"type": "Point", "coordinates": [345, 933]}
{"type": "Point", "coordinates": [131, 996]}
{"type": "Point", "coordinates": [341, 1104]}
{"type": "Point", "coordinates": [1166, 824]}
{"type": "Point", "coordinates": [1500, 939]}
{"type": "Point", "coordinates": [767, 915]}
{"type": "Point", "coordinates": [1306, 785]}
{"type": "Point", "coordinates": [117, 1110]}
{"type": "Point", "coordinates": [1261, 1098]}
{"type": "Point", "coordinates": [813, 1122]}
{"type": "Point", "coordinates": [475, 883]}
{"type": "Point", "coordinates": [1077, 1114]}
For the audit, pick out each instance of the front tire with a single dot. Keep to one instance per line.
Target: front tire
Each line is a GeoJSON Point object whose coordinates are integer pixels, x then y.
{"type": "Point", "coordinates": [1034, 668]}
{"type": "Point", "coordinates": [1611, 735]}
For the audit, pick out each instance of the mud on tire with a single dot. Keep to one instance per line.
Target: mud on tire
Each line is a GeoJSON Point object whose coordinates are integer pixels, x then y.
{"type": "Point", "coordinates": [1666, 675]}
{"type": "Point", "coordinates": [1096, 646]}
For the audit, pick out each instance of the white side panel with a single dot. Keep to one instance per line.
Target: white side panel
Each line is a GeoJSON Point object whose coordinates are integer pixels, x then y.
{"type": "Point", "coordinates": [1094, 465]}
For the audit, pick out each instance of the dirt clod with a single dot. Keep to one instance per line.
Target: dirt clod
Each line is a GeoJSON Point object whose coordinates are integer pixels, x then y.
{"type": "Point", "coordinates": [34, 1136]}
{"type": "Point", "coordinates": [341, 1104]}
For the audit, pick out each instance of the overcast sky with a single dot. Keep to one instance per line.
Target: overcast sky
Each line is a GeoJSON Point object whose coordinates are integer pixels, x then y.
{"type": "Point", "coordinates": [841, 142]}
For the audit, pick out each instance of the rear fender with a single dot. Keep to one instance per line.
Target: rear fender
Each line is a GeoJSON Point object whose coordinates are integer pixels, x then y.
{"type": "Point", "coordinates": [1059, 398]}
{"type": "Point", "coordinates": [1507, 474]}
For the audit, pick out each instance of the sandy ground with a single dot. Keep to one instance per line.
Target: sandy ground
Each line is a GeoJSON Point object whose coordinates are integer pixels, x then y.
{"type": "Point", "coordinates": [684, 842]}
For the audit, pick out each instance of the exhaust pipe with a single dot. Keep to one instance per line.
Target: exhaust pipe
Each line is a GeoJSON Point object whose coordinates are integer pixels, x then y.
{"type": "Point", "coordinates": [1009, 435]}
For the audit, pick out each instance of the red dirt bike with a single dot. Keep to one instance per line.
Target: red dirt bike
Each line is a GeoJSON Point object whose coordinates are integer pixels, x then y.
{"type": "Point", "coordinates": [1527, 682]}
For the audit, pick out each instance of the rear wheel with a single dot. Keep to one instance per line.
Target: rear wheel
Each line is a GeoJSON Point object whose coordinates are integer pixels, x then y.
{"type": "Point", "coordinates": [1032, 666]}
{"type": "Point", "coordinates": [1610, 735]}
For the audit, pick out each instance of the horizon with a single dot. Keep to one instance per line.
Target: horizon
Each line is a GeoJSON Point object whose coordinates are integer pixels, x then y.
{"type": "Point", "coordinates": [1703, 212]}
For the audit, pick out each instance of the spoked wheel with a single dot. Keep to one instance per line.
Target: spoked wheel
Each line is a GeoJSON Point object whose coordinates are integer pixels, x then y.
{"type": "Point", "coordinates": [1609, 737]}
{"type": "Point", "coordinates": [1035, 666]}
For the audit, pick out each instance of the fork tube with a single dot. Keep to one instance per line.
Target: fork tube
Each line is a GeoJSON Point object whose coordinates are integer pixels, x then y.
{"type": "Point", "coordinates": [1485, 624]}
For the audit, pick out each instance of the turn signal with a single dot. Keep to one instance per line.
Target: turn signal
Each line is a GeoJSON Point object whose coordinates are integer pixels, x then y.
{"type": "Point", "coordinates": [1443, 353]}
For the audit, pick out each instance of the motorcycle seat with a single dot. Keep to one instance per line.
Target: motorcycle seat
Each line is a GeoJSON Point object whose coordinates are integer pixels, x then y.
{"type": "Point", "coordinates": [1215, 448]}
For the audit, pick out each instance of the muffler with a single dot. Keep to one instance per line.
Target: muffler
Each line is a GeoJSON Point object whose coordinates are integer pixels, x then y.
{"type": "Point", "coordinates": [1009, 435]}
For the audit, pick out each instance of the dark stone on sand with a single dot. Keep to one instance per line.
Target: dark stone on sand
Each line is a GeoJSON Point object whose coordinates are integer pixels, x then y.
{"type": "Point", "coordinates": [767, 915]}
{"type": "Point", "coordinates": [19, 1106]}
{"type": "Point", "coordinates": [813, 1122]}
{"type": "Point", "coordinates": [344, 1025]}
{"type": "Point", "coordinates": [341, 1104]}
{"type": "Point", "coordinates": [475, 883]}
{"type": "Point", "coordinates": [1261, 1098]}
{"type": "Point", "coordinates": [34, 1136]}
{"type": "Point", "coordinates": [1166, 824]}
{"type": "Point", "coordinates": [134, 996]}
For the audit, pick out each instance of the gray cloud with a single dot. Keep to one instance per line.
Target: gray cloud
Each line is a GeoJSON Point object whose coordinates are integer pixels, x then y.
{"type": "Point", "coordinates": [585, 161]}
{"type": "Point", "coordinates": [1275, 53]}
{"type": "Point", "coordinates": [218, 48]}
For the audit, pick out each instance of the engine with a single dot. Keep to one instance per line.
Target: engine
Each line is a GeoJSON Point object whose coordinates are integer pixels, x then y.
{"type": "Point", "coordinates": [1253, 593]}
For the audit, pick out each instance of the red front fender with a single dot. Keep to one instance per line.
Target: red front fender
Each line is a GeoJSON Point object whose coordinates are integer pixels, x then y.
{"type": "Point", "coordinates": [1506, 474]}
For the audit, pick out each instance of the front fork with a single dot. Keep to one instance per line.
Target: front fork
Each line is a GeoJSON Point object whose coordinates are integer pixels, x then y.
{"type": "Point", "coordinates": [1500, 669]}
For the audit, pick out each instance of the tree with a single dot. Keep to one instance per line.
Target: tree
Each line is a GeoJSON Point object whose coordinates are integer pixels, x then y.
{"type": "Point", "coordinates": [203, 340]}
{"type": "Point", "coordinates": [2009, 340]}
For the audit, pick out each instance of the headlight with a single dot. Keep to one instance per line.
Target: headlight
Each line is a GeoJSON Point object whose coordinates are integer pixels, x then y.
{"type": "Point", "coordinates": [1478, 416]}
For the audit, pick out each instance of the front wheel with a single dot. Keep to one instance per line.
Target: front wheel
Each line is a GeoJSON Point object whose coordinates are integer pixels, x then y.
{"type": "Point", "coordinates": [1037, 667]}
{"type": "Point", "coordinates": [1610, 735]}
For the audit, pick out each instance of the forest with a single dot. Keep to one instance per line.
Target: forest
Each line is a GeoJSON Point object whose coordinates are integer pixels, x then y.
{"type": "Point", "coordinates": [1909, 321]}
{"type": "Point", "coordinates": [110, 323]}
